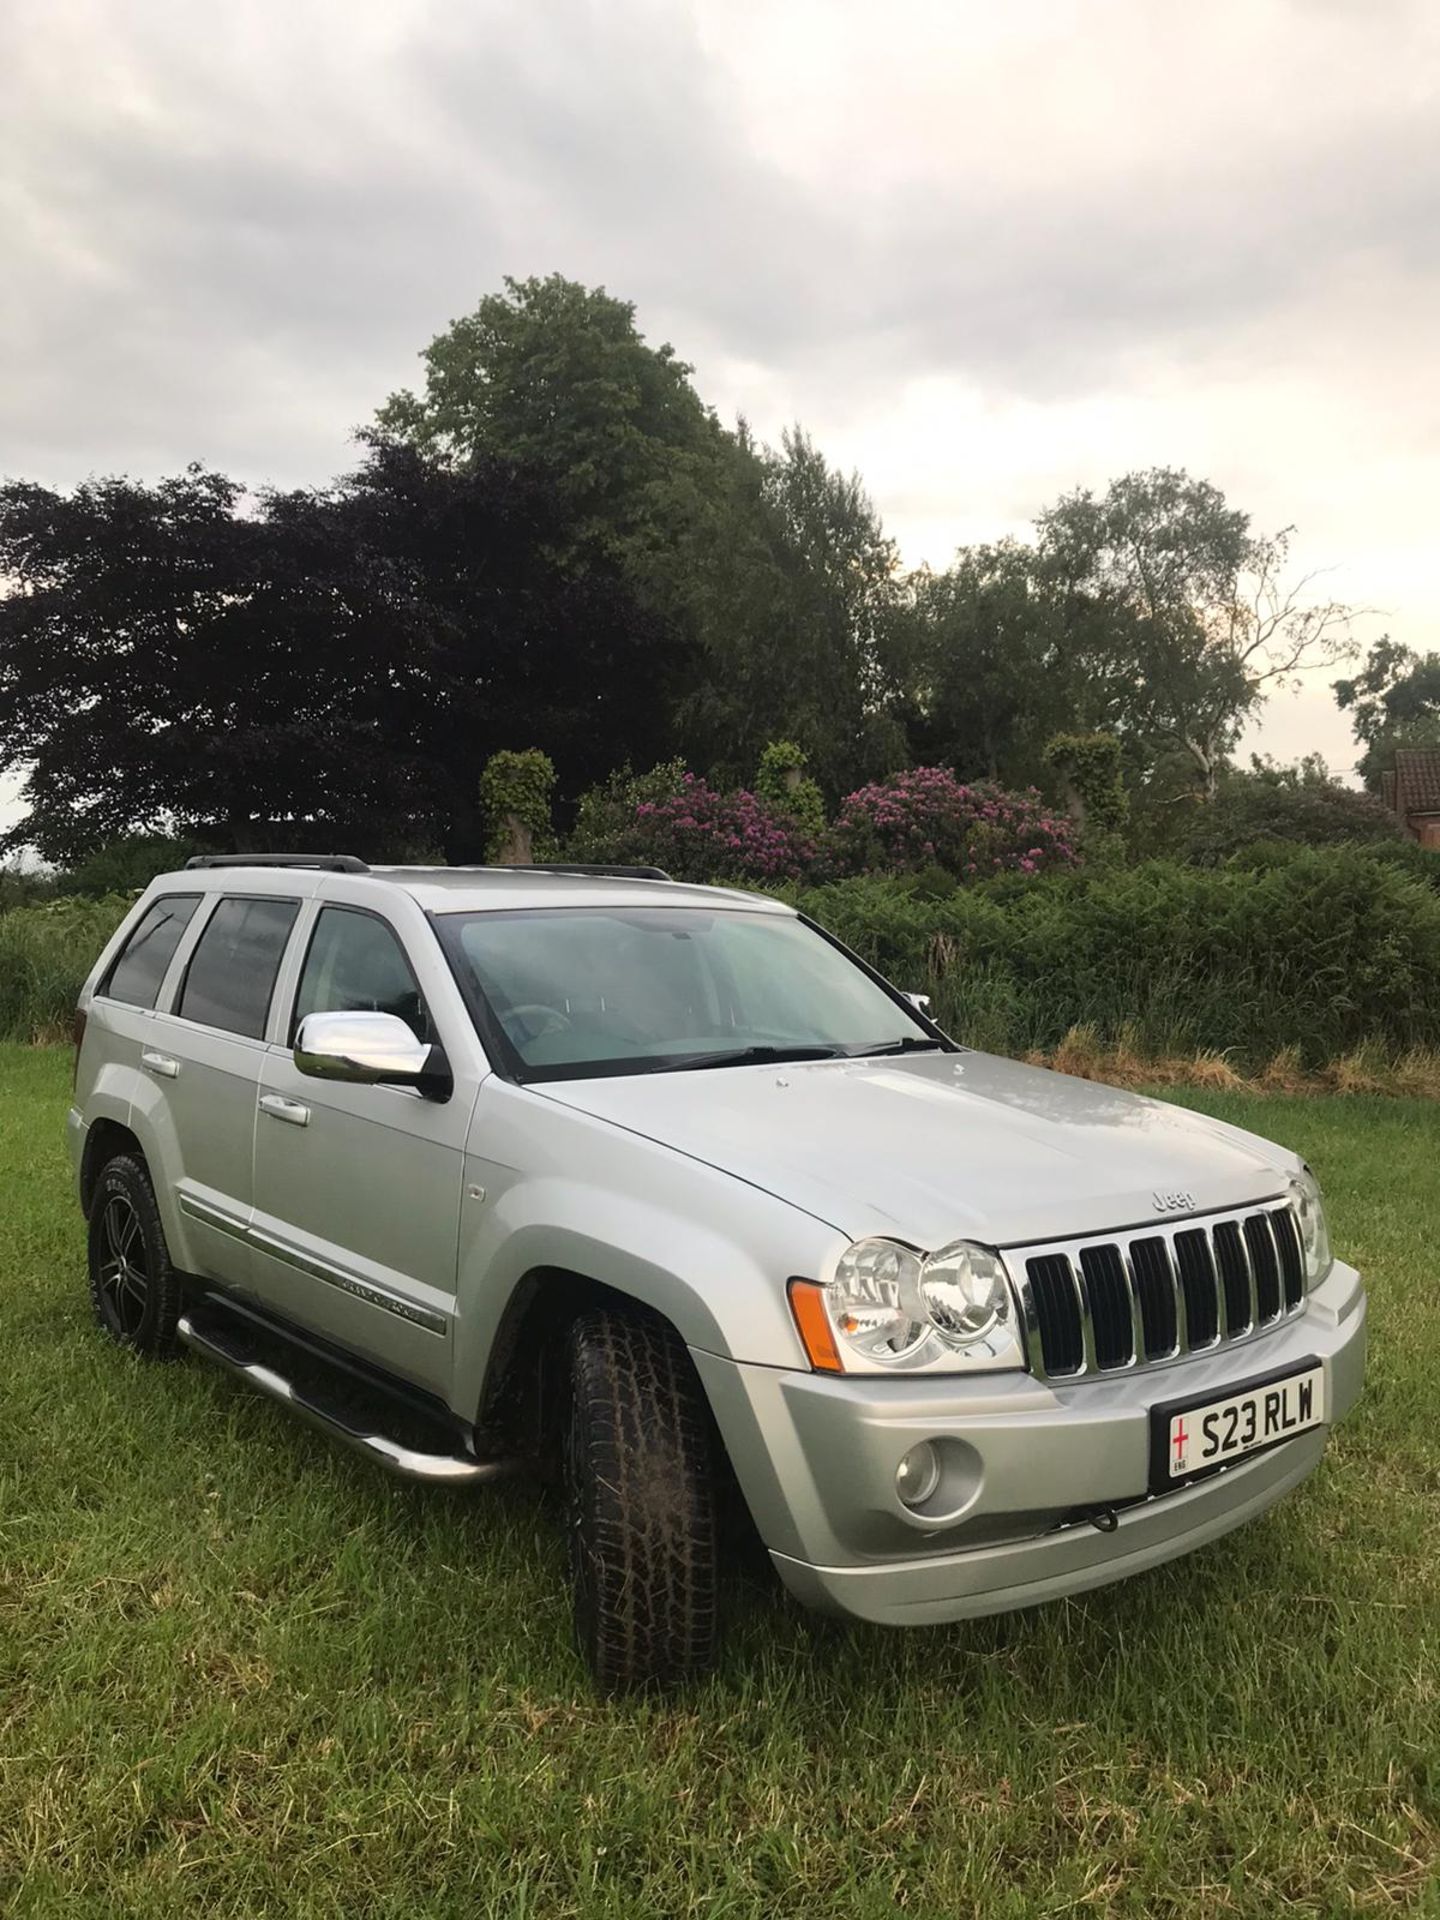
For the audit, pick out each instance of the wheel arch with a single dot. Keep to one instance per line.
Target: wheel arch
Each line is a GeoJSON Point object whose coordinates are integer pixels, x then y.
{"type": "Point", "coordinates": [524, 1367]}
{"type": "Point", "coordinates": [105, 1138]}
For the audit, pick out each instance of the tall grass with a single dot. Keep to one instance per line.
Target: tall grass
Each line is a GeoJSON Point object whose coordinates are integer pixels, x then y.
{"type": "Point", "coordinates": [45, 953]}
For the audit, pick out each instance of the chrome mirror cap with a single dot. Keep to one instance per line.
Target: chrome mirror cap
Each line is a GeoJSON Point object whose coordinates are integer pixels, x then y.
{"type": "Point", "coordinates": [367, 1049]}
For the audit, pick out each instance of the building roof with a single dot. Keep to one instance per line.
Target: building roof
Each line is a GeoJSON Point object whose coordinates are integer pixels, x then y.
{"type": "Point", "coordinates": [1417, 780]}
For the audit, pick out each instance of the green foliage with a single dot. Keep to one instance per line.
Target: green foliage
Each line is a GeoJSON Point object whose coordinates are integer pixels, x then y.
{"type": "Point", "coordinates": [25, 886]}
{"type": "Point", "coordinates": [1395, 702]}
{"type": "Point", "coordinates": [606, 812]}
{"type": "Point", "coordinates": [1297, 807]}
{"type": "Point", "coordinates": [1089, 767]}
{"type": "Point", "coordinates": [128, 865]}
{"type": "Point", "coordinates": [1326, 951]}
{"type": "Point", "coordinates": [782, 785]}
{"type": "Point", "coordinates": [45, 953]}
{"type": "Point", "coordinates": [1200, 614]}
{"type": "Point", "coordinates": [984, 648]}
{"type": "Point", "coordinates": [557, 378]}
{"type": "Point", "coordinates": [515, 790]}
{"type": "Point", "coordinates": [770, 565]}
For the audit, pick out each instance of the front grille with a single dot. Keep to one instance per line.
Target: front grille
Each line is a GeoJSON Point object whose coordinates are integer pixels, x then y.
{"type": "Point", "coordinates": [1135, 1300]}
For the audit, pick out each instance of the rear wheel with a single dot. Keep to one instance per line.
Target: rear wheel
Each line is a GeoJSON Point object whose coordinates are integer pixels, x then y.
{"type": "Point", "coordinates": [134, 1290]}
{"type": "Point", "coordinates": [640, 1496]}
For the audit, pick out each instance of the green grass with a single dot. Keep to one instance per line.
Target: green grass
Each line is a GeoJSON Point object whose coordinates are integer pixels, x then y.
{"type": "Point", "coordinates": [241, 1673]}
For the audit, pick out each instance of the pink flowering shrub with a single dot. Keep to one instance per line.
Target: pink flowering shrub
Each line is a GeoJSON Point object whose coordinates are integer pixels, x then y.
{"type": "Point", "coordinates": [701, 834]}
{"type": "Point", "coordinates": [926, 817]}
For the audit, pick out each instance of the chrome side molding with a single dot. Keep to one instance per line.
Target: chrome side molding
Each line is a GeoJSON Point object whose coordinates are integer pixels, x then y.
{"type": "Point", "coordinates": [432, 1469]}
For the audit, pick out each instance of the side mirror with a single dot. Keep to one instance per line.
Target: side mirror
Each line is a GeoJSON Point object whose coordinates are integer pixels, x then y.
{"type": "Point", "coordinates": [920, 1002]}
{"type": "Point", "coordinates": [370, 1050]}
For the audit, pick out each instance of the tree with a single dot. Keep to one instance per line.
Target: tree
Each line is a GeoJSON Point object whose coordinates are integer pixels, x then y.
{"type": "Point", "coordinates": [984, 664]}
{"type": "Point", "coordinates": [1202, 616]}
{"type": "Point", "coordinates": [333, 665]}
{"type": "Point", "coordinates": [556, 378]}
{"type": "Point", "coordinates": [773, 565]}
{"type": "Point", "coordinates": [797, 602]}
{"type": "Point", "coordinates": [1300, 805]}
{"type": "Point", "coordinates": [1395, 702]}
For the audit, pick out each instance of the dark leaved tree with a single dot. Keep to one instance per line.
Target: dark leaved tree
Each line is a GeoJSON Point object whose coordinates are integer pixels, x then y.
{"type": "Point", "coordinates": [332, 665]}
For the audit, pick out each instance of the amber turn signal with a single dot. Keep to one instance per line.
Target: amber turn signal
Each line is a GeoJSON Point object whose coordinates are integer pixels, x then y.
{"type": "Point", "coordinates": [807, 1303]}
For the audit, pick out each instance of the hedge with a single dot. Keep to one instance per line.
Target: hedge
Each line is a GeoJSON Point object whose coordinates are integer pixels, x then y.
{"type": "Point", "coordinates": [1328, 950]}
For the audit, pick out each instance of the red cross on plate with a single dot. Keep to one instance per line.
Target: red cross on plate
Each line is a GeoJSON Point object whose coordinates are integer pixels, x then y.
{"type": "Point", "coordinates": [1179, 1442]}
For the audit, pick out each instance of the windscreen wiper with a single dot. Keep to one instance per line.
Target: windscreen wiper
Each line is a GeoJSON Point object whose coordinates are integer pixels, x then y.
{"type": "Point", "coordinates": [746, 1057]}
{"type": "Point", "coordinates": [912, 1043]}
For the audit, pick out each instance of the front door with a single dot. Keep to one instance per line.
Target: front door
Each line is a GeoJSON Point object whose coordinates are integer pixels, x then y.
{"type": "Point", "coordinates": [358, 1189]}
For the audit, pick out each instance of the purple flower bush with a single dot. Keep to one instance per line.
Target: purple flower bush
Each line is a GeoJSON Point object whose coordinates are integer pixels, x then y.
{"type": "Point", "coordinates": [926, 817]}
{"type": "Point", "coordinates": [701, 834]}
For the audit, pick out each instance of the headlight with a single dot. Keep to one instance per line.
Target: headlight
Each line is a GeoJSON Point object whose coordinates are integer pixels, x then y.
{"type": "Point", "coordinates": [890, 1309]}
{"type": "Point", "coordinates": [1314, 1234]}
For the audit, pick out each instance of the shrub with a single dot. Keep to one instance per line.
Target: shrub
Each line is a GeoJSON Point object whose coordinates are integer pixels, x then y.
{"type": "Point", "coordinates": [515, 791]}
{"type": "Point", "coordinates": [605, 817]}
{"type": "Point", "coordinates": [1089, 766]}
{"type": "Point", "coordinates": [699, 833]}
{"type": "Point", "coordinates": [1313, 812]}
{"type": "Point", "coordinates": [781, 784]}
{"type": "Point", "coordinates": [926, 817]}
{"type": "Point", "coordinates": [128, 865]}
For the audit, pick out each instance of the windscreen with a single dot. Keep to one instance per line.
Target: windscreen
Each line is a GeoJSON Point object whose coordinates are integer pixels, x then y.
{"type": "Point", "coordinates": [586, 990]}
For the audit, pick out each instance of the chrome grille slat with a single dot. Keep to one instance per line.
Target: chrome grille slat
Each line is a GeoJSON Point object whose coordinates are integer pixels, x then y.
{"type": "Point", "coordinates": [1186, 1287]}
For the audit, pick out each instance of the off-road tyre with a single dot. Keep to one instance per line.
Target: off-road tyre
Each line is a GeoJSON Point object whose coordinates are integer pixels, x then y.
{"type": "Point", "coordinates": [640, 1503]}
{"type": "Point", "coordinates": [134, 1289]}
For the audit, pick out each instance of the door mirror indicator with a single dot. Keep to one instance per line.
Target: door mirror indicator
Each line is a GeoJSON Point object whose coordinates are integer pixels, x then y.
{"type": "Point", "coordinates": [370, 1050]}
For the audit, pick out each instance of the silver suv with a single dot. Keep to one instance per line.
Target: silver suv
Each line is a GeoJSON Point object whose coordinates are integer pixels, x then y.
{"type": "Point", "coordinates": [662, 1186]}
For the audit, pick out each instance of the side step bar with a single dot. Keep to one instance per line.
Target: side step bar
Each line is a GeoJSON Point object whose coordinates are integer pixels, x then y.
{"type": "Point", "coordinates": [435, 1469]}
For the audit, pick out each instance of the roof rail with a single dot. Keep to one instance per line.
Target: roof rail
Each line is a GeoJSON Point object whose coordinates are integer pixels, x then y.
{"type": "Point", "coordinates": [330, 862]}
{"type": "Point", "coordinates": [599, 873]}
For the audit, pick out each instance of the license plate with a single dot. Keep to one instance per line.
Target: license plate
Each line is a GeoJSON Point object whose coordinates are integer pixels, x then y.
{"type": "Point", "coordinates": [1191, 1438]}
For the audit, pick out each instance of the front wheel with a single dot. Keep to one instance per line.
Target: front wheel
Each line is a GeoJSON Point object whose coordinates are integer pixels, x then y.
{"type": "Point", "coordinates": [134, 1290]}
{"type": "Point", "coordinates": [640, 1494]}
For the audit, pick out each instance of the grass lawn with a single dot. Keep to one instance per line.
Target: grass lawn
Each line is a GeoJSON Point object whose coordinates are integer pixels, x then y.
{"type": "Point", "coordinates": [241, 1673]}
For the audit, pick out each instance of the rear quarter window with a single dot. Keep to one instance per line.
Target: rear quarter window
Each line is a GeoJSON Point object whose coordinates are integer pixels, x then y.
{"type": "Point", "coordinates": [143, 961]}
{"type": "Point", "coordinates": [232, 971]}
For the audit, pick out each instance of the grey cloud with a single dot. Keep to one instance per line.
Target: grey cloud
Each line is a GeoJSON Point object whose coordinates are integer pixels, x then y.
{"type": "Point", "coordinates": [239, 267]}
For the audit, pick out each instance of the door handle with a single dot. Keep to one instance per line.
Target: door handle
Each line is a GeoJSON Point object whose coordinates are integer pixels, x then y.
{"type": "Point", "coordinates": [160, 1064]}
{"type": "Point", "coordinates": [279, 1108]}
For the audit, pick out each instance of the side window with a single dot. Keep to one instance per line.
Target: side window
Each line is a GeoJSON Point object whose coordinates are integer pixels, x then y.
{"type": "Point", "coordinates": [357, 965]}
{"type": "Point", "coordinates": [232, 970]}
{"type": "Point", "coordinates": [135, 977]}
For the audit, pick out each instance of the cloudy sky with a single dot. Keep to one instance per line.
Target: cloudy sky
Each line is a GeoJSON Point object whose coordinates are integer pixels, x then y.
{"type": "Point", "coordinates": [986, 252]}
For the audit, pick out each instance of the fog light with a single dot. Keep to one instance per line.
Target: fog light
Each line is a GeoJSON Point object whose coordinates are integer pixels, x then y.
{"type": "Point", "coordinates": [918, 1475]}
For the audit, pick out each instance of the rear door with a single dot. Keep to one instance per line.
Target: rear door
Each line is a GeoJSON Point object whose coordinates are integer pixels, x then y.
{"type": "Point", "coordinates": [205, 1062]}
{"type": "Point", "coordinates": [358, 1189]}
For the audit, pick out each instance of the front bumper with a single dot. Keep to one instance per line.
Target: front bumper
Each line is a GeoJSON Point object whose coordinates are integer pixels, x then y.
{"type": "Point", "coordinates": [1025, 1462]}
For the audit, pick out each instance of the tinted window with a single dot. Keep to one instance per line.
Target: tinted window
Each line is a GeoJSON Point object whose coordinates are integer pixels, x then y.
{"type": "Point", "coordinates": [135, 977]}
{"type": "Point", "coordinates": [232, 970]}
{"type": "Point", "coordinates": [356, 965]}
